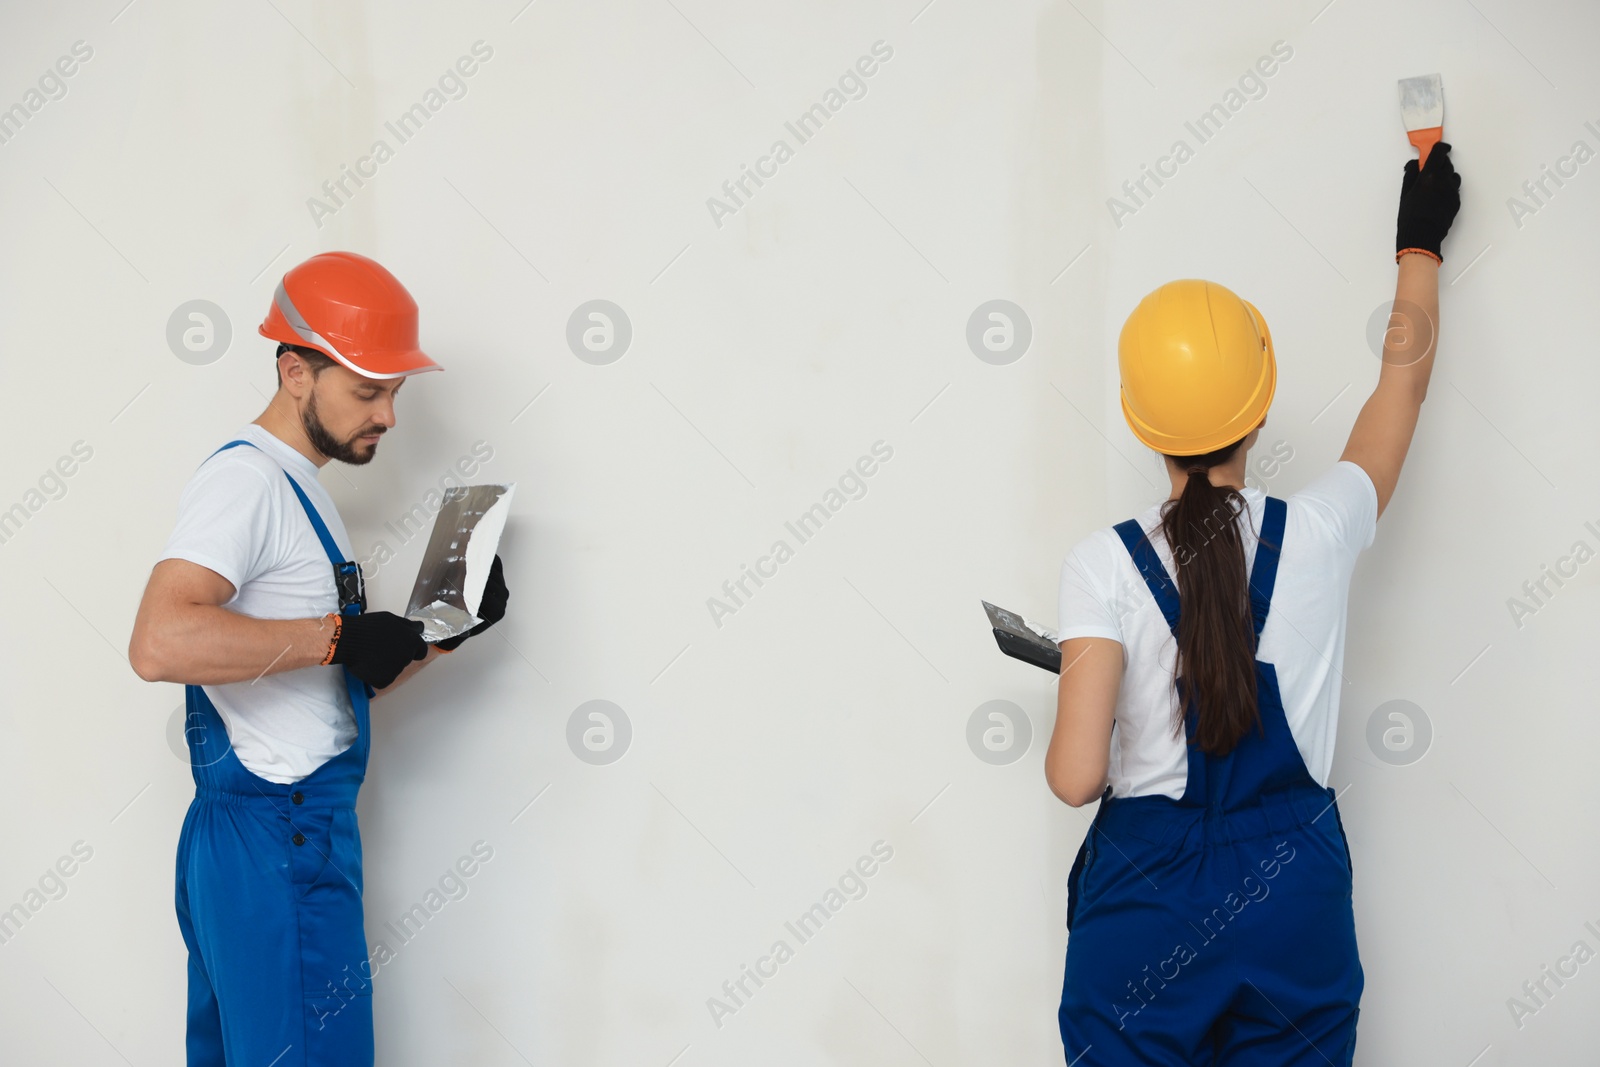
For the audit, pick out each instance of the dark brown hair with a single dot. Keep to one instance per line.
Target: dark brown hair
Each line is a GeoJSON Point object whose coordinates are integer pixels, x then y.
{"type": "Point", "coordinates": [1216, 633]}
{"type": "Point", "coordinates": [317, 361]}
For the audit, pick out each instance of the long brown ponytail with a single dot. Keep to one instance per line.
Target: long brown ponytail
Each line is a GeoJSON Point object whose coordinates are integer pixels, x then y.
{"type": "Point", "coordinates": [1216, 635]}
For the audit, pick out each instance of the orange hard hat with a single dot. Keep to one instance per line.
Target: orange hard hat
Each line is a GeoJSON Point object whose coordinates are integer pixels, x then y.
{"type": "Point", "coordinates": [352, 310]}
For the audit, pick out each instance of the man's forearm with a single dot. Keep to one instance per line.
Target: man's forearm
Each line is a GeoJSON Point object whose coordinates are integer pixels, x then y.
{"type": "Point", "coordinates": [207, 645]}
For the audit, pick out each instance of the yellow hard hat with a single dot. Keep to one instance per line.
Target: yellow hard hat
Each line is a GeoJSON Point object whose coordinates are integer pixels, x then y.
{"type": "Point", "coordinates": [1197, 367]}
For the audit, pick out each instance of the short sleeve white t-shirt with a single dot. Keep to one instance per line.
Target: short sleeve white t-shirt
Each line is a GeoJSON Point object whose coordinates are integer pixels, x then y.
{"type": "Point", "coordinates": [1328, 524]}
{"type": "Point", "coordinates": [239, 517]}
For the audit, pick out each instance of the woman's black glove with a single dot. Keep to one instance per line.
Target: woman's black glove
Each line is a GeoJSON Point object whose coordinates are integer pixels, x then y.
{"type": "Point", "coordinates": [1429, 200]}
{"type": "Point", "coordinates": [491, 609]}
{"type": "Point", "coordinates": [377, 645]}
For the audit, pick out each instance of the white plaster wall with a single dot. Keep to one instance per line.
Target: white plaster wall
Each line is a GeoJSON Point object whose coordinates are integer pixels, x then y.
{"type": "Point", "coordinates": [769, 353]}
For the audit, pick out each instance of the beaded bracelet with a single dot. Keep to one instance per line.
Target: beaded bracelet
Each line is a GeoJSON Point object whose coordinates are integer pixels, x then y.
{"type": "Point", "coordinates": [1431, 255]}
{"type": "Point", "coordinates": [338, 627]}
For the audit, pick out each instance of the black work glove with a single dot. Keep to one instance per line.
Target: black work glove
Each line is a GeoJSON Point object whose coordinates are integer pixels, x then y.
{"type": "Point", "coordinates": [1429, 200]}
{"type": "Point", "coordinates": [377, 645]}
{"type": "Point", "coordinates": [491, 609]}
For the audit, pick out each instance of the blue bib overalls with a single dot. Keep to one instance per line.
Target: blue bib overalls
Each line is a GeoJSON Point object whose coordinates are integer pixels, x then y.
{"type": "Point", "coordinates": [1217, 928]}
{"type": "Point", "coordinates": [269, 898]}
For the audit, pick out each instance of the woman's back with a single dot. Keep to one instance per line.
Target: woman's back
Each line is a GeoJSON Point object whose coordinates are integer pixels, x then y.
{"type": "Point", "coordinates": [1102, 594]}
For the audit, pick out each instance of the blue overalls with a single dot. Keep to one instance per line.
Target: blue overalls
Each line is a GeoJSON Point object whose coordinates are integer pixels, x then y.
{"type": "Point", "coordinates": [269, 897]}
{"type": "Point", "coordinates": [1217, 928]}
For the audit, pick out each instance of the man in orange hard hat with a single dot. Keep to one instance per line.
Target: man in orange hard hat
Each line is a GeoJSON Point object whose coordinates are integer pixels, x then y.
{"type": "Point", "coordinates": [258, 607]}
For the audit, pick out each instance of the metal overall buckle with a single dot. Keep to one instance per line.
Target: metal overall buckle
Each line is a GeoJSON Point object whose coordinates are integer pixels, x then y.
{"type": "Point", "coordinates": [352, 589]}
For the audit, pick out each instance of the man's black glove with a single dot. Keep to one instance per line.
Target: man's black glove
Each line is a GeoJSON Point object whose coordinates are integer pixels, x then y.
{"type": "Point", "coordinates": [377, 645]}
{"type": "Point", "coordinates": [1429, 200]}
{"type": "Point", "coordinates": [491, 609]}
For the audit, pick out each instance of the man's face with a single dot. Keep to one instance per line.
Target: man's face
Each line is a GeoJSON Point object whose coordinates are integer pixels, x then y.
{"type": "Point", "coordinates": [345, 414]}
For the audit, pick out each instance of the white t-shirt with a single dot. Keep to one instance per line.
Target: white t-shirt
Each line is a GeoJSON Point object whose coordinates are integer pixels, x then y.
{"type": "Point", "coordinates": [1328, 524]}
{"type": "Point", "coordinates": [239, 516]}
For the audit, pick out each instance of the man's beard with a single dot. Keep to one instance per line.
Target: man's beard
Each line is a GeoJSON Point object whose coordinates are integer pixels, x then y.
{"type": "Point", "coordinates": [330, 446]}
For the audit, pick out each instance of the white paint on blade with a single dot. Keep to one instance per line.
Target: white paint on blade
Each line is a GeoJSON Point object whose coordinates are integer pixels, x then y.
{"type": "Point", "coordinates": [481, 547]}
{"type": "Point", "coordinates": [1422, 101]}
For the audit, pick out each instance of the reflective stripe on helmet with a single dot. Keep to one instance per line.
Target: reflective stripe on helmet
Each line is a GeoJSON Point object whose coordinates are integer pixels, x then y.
{"type": "Point", "coordinates": [298, 324]}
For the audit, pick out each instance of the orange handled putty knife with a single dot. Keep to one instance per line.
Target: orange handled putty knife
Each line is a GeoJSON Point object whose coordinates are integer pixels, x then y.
{"type": "Point", "coordinates": [1422, 108]}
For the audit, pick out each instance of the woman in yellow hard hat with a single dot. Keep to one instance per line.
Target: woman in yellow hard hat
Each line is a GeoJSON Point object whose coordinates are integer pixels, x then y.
{"type": "Point", "coordinates": [1210, 904]}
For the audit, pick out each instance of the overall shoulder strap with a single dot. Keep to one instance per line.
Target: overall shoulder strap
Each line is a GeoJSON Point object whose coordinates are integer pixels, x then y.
{"type": "Point", "coordinates": [234, 444]}
{"type": "Point", "coordinates": [1264, 573]}
{"type": "Point", "coordinates": [328, 544]}
{"type": "Point", "coordinates": [1149, 565]}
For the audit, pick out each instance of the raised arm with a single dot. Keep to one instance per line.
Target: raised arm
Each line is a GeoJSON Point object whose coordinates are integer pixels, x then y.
{"type": "Point", "coordinates": [1378, 442]}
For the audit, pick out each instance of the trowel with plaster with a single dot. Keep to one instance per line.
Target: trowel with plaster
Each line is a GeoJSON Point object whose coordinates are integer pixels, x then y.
{"type": "Point", "coordinates": [455, 567]}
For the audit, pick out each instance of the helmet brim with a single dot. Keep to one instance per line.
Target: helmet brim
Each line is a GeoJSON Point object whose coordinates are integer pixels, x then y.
{"type": "Point", "coordinates": [381, 365]}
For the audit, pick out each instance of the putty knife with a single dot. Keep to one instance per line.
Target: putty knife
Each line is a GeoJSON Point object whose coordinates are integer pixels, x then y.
{"type": "Point", "coordinates": [1021, 639]}
{"type": "Point", "coordinates": [1422, 109]}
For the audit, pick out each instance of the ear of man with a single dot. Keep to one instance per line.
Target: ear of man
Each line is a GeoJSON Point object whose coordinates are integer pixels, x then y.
{"type": "Point", "coordinates": [313, 360]}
